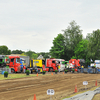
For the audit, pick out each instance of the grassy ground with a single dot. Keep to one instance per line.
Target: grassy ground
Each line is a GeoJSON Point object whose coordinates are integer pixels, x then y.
{"type": "Point", "coordinates": [17, 75]}
{"type": "Point", "coordinates": [96, 97]}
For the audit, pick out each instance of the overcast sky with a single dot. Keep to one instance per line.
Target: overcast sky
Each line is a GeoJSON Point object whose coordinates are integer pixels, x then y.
{"type": "Point", "coordinates": [33, 24]}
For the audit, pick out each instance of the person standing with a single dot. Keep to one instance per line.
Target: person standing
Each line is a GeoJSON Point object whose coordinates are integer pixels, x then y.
{"type": "Point", "coordinates": [94, 68]}
{"type": "Point", "coordinates": [82, 69]}
{"type": "Point", "coordinates": [24, 68]}
{"type": "Point", "coordinates": [59, 68]}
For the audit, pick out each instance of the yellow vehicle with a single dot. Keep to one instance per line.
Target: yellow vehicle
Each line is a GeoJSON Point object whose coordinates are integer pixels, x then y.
{"type": "Point", "coordinates": [36, 65]}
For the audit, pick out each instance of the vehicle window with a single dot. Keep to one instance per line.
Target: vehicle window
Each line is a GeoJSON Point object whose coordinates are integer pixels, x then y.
{"type": "Point", "coordinates": [36, 62]}
{"type": "Point", "coordinates": [23, 61]}
{"type": "Point", "coordinates": [53, 61]}
{"type": "Point", "coordinates": [43, 62]}
{"type": "Point", "coordinates": [0, 60]}
{"type": "Point", "coordinates": [8, 60]}
{"type": "Point", "coordinates": [63, 62]}
{"type": "Point", "coordinates": [58, 62]}
{"type": "Point", "coordinates": [12, 60]}
{"type": "Point", "coordinates": [17, 60]}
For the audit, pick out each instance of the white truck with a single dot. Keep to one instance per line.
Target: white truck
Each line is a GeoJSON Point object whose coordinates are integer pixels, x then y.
{"type": "Point", "coordinates": [97, 62]}
{"type": "Point", "coordinates": [61, 63]}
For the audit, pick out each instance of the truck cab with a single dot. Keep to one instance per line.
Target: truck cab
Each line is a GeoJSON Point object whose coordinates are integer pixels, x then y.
{"type": "Point", "coordinates": [61, 63]}
{"type": "Point", "coordinates": [37, 65]}
{"type": "Point", "coordinates": [14, 63]}
{"type": "Point", "coordinates": [52, 64]}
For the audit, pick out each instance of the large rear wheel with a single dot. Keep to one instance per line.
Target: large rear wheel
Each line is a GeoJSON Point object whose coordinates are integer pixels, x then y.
{"type": "Point", "coordinates": [12, 71]}
{"type": "Point", "coordinates": [50, 69]}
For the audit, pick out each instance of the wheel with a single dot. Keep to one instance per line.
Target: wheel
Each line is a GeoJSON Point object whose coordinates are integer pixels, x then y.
{"type": "Point", "coordinates": [31, 71]}
{"type": "Point", "coordinates": [12, 71]}
{"type": "Point", "coordinates": [50, 69]}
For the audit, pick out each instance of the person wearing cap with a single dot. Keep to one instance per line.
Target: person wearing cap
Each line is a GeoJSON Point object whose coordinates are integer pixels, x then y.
{"type": "Point", "coordinates": [24, 68]}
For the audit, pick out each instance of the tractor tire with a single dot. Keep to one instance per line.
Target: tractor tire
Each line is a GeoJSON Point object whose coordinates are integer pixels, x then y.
{"type": "Point", "coordinates": [50, 69]}
{"type": "Point", "coordinates": [12, 71]}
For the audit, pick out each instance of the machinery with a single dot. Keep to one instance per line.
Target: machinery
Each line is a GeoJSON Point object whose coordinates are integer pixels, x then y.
{"type": "Point", "coordinates": [61, 63]}
{"type": "Point", "coordinates": [14, 63]}
{"type": "Point", "coordinates": [4, 61]}
{"type": "Point", "coordinates": [52, 64]}
{"type": "Point", "coordinates": [77, 62]}
{"type": "Point", "coordinates": [37, 66]}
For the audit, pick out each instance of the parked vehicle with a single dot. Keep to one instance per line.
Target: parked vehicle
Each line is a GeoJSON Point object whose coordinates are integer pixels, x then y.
{"type": "Point", "coordinates": [37, 65]}
{"type": "Point", "coordinates": [26, 60]}
{"type": "Point", "coordinates": [52, 64]}
{"type": "Point", "coordinates": [14, 63]}
{"type": "Point", "coordinates": [97, 62]}
{"type": "Point", "coordinates": [61, 63]}
{"type": "Point", "coordinates": [77, 62]}
{"type": "Point", "coordinates": [4, 61]}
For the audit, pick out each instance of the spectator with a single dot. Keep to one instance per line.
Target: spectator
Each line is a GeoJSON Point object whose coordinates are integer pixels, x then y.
{"type": "Point", "coordinates": [59, 68]}
{"type": "Point", "coordinates": [82, 69]}
{"type": "Point", "coordinates": [24, 68]}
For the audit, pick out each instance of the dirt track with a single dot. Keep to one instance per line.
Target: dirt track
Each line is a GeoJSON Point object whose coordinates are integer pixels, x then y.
{"type": "Point", "coordinates": [63, 85]}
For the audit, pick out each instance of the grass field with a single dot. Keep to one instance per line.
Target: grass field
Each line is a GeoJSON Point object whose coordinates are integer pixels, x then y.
{"type": "Point", "coordinates": [16, 75]}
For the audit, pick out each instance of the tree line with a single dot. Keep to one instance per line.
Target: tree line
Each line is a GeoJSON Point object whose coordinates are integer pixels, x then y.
{"type": "Point", "coordinates": [72, 45]}
{"type": "Point", "coordinates": [69, 44]}
{"type": "Point", "coordinates": [33, 55]}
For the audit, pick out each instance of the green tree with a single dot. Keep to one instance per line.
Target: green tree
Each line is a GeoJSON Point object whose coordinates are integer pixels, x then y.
{"type": "Point", "coordinates": [23, 54]}
{"type": "Point", "coordinates": [73, 35]}
{"type": "Point", "coordinates": [29, 53]}
{"type": "Point", "coordinates": [17, 52]}
{"type": "Point", "coordinates": [41, 53]}
{"type": "Point", "coordinates": [34, 56]}
{"type": "Point", "coordinates": [81, 51]}
{"type": "Point", "coordinates": [94, 45]}
{"type": "Point", "coordinates": [4, 50]}
{"type": "Point", "coordinates": [46, 55]}
{"type": "Point", "coordinates": [57, 50]}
